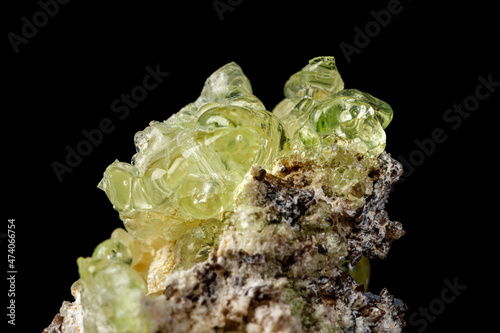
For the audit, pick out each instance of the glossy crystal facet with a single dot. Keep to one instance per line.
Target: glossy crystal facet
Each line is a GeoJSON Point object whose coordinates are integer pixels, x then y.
{"type": "Point", "coordinates": [225, 166]}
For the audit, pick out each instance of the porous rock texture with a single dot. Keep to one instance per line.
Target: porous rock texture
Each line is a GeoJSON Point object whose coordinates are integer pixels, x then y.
{"type": "Point", "coordinates": [282, 276]}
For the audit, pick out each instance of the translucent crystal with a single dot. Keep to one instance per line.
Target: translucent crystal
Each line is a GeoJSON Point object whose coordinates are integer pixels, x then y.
{"type": "Point", "coordinates": [112, 292]}
{"type": "Point", "coordinates": [359, 272]}
{"type": "Point", "coordinates": [318, 80]}
{"type": "Point", "coordinates": [187, 167]}
{"type": "Point", "coordinates": [349, 171]}
{"type": "Point", "coordinates": [240, 213]}
{"type": "Point", "coordinates": [113, 250]}
{"type": "Point", "coordinates": [352, 114]}
{"type": "Point", "coordinates": [196, 245]}
{"type": "Point", "coordinates": [317, 110]}
{"type": "Point", "coordinates": [142, 251]}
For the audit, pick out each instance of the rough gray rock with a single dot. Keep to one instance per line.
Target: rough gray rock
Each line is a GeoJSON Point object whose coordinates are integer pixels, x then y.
{"type": "Point", "coordinates": [282, 275]}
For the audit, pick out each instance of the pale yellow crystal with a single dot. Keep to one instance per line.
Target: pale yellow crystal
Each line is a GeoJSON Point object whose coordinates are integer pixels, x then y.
{"type": "Point", "coordinates": [113, 294]}
{"type": "Point", "coordinates": [188, 167]}
{"type": "Point", "coordinates": [142, 251]}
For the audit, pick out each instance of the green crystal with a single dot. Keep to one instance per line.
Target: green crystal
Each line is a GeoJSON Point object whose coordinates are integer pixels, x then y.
{"type": "Point", "coordinates": [195, 246]}
{"type": "Point", "coordinates": [359, 272]}
{"type": "Point", "coordinates": [112, 292]}
{"type": "Point", "coordinates": [182, 181]}
{"type": "Point", "coordinates": [348, 173]}
{"type": "Point", "coordinates": [188, 167]}
{"type": "Point", "coordinates": [317, 80]}
{"type": "Point", "coordinates": [113, 250]}
{"type": "Point", "coordinates": [317, 110]}
{"type": "Point", "coordinates": [354, 115]}
{"type": "Point", "coordinates": [182, 188]}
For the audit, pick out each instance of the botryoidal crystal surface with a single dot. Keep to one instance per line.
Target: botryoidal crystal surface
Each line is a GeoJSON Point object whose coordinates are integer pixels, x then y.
{"type": "Point", "coordinates": [237, 219]}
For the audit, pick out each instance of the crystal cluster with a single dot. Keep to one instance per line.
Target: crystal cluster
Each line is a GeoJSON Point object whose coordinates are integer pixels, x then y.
{"type": "Point", "coordinates": [187, 168]}
{"type": "Point", "coordinates": [318, 110]}
{"type": "Point", "coordinates": [243, 220]}
{"type": "Point", "coordinates": [112, 291]}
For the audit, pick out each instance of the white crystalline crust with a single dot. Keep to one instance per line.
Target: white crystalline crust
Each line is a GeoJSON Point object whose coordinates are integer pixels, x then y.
{"type": "Point", "coordinates": [73, 314]}
{"type": "Point", "coordinates": [273, 277]}
{"type": "Point", "coordinates": [70, 316]}
{"type": "Point", "coordinates": [239, 220]}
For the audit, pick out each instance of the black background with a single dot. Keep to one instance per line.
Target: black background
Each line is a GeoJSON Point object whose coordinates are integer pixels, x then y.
{"type": "Point", "coordinates": [428, 58]}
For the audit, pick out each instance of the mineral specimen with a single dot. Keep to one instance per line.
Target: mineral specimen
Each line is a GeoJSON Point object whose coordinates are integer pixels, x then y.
{"type": "Point", "coordinates": [242, 220]}
{"type": "Point", "coordinates": [187, 168]}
